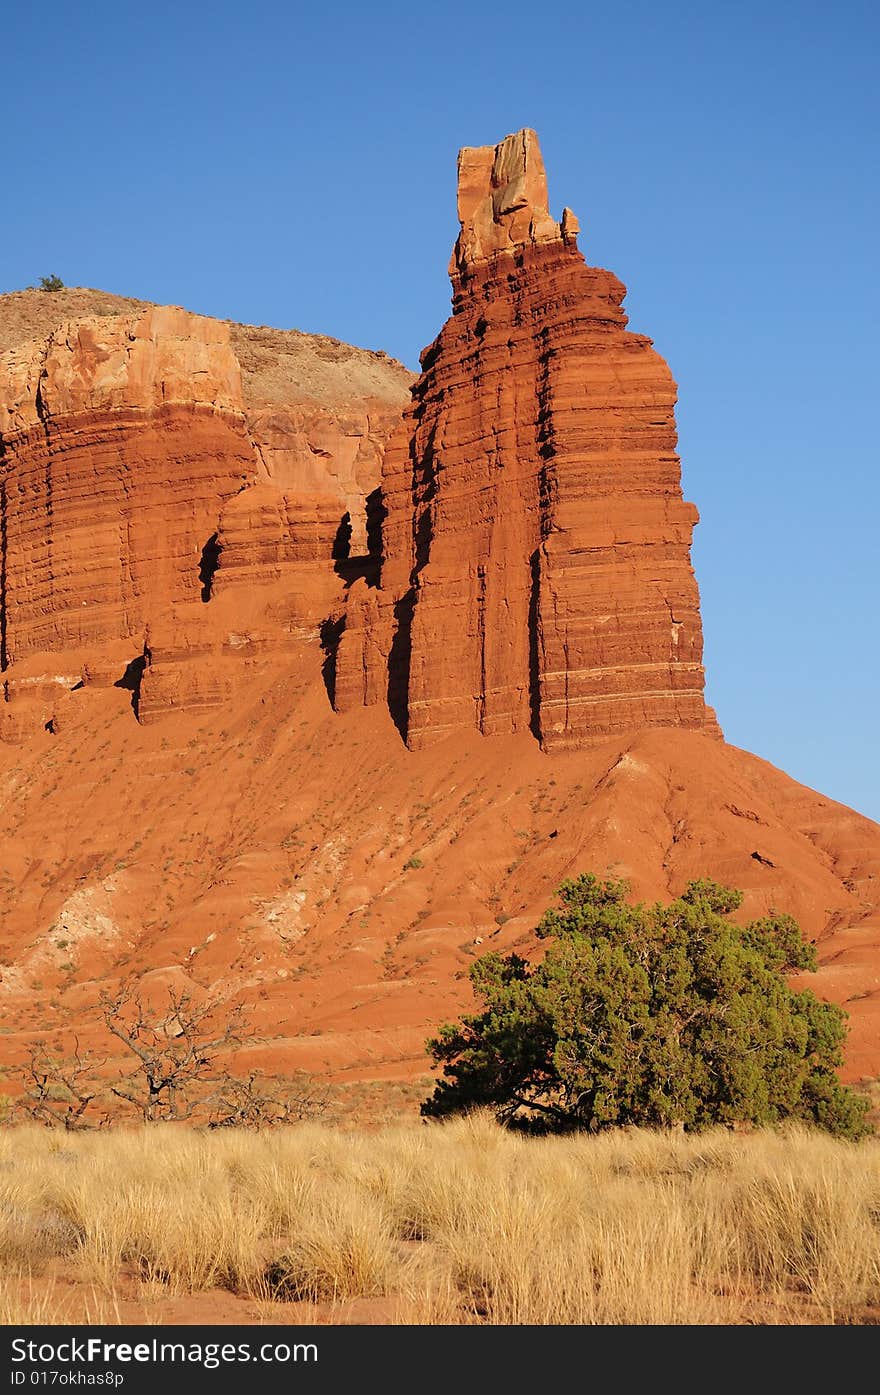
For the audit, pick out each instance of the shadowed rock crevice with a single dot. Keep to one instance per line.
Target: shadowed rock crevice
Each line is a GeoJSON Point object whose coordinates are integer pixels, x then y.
{"type": "Point", "coordinates": [208, 564]}
{"type": "Point", "coordinates": [331, 633]}
{"type": "Point", "coordinates": [131, 681]}
{"type": "Point", "coordinates": [399, 661]}
{"type": "Point", "coordinates": [352, 567]}
{"type": "Point", "coordinates": [341, 551]}
{"type": "Point", "coordinates": [376, 514]}
{"type": "Point", "coordinates": [534, 646]}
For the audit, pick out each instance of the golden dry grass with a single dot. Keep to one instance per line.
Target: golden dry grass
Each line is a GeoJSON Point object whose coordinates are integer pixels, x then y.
{"type": "Point", "coordinates": [454, 1223]}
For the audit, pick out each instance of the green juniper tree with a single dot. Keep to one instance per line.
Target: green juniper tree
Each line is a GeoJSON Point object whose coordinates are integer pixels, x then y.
{"type": "Point", "coordinates": [657, 1015]}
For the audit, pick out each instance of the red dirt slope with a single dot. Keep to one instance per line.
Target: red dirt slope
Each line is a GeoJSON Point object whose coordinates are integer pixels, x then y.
{"type": "Point", "coordinates": [311, 863]}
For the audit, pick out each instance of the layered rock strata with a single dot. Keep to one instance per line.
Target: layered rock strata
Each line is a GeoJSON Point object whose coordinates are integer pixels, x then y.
{"type": "Point", "coordinates": [121, 440]}
{"type": "Point", "coordinates": [152, 461]}
{"type": "Point", "coordinates": [536, 570]}
{"type": "Point", "coordinates": [240, 837]}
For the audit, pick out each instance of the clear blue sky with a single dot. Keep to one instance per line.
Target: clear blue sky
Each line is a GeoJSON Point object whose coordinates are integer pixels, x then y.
{"type": "Point", "coordinates": [294, 165]}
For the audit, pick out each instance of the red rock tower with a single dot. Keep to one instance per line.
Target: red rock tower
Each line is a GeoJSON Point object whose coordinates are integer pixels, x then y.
{"type": "Point", "coordinates": [536, 547]}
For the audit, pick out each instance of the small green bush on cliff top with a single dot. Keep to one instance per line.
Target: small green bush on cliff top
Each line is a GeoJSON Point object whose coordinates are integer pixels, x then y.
{"type": "Point", "coordinates": [655, 1015]}
{"type": "Point", "coordinates": [51, 283]}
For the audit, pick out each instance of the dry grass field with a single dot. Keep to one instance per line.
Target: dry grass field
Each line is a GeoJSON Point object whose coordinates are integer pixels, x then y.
{"type": "Point", "coordinates": [453, 1223]}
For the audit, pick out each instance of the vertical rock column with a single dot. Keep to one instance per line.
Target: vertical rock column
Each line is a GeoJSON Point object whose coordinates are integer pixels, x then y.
{"type": "Point", "coordinates": [536, 567]}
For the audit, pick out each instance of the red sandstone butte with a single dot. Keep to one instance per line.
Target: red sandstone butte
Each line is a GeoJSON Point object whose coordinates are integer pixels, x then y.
{"type": "Point", "coordinates": [211, 532]}
{"type": "Point", "coordinates": [536, 566]}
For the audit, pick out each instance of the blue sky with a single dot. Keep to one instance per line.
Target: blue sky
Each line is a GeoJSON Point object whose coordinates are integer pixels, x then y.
{"type": "Point", "coordinates": [294, 165]}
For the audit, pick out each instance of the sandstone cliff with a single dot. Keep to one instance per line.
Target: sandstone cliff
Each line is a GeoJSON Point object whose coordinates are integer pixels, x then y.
{"type": "Point", "coordinates": [536, 570]}
{"type": "Point", "coordinates": [193, 518]}
{"type": "Point", "coordinates": [151, 461]}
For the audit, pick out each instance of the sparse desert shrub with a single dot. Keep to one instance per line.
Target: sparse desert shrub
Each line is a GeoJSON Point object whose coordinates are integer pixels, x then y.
{"type": "Point", "coordinates": [656, 1015]}
{"type": "Point", "coordinates": [180, 1051]}
{"type": "Point", "coordinates": [59, 1092]}
{"type": "Point", "coordinates": [51, 283]}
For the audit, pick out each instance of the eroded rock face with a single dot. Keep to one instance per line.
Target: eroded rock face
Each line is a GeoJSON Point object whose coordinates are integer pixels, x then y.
{"type": "Point", "coordinates": [502, 201]}
{"type": "Point", "coordinates": [196, 814]}
{"type": "Point", "coordinates": [121, 439]}
{"type": "Point", "coordinates": [536, 569]}
{"type": "Point", "coordinates": [153, 461]}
